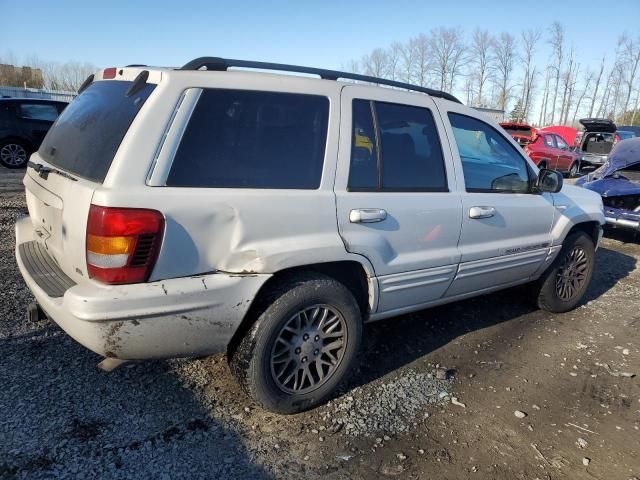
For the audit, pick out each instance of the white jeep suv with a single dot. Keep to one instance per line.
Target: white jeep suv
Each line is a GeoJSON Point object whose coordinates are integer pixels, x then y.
{"type": "Point", "coordinates": [183, 212]}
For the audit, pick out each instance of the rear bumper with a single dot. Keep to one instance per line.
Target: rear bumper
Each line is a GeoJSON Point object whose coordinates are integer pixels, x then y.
{"type": "Point", "coordinates": [593, 160]}
{"type": "Point", "coordinates": [188, 316]}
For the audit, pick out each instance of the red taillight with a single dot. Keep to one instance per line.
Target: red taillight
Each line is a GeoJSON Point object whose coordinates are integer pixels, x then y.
{"type": "Point", "coordinates": [122, 243]}
{"type": "Point", "coordinates": [109, 73]}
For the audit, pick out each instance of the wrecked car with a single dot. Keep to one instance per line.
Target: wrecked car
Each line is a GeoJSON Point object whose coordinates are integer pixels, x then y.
{"type": "Point", "coordinates": [618, 182]}
{"type": "Point", "coordinates": [181, 212]}
{"type": "Point", "coordinates": [595, 142]}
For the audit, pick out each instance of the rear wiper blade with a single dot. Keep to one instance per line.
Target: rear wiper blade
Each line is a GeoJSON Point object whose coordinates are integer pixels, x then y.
{"type": "Point", "coordinates": [44, 171]}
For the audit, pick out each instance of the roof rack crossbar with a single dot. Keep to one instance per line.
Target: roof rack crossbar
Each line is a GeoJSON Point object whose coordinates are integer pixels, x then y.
{"type": "Point", "coordinates": [223, 64]}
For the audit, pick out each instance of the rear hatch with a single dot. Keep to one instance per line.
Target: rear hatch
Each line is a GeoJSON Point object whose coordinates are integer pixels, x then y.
{"type": "Point", "coordinates": [598, 125]}
{"type": "Point", "coordinates": [74, 160]}
{"type": "Point", "coordinates": [522, 133]}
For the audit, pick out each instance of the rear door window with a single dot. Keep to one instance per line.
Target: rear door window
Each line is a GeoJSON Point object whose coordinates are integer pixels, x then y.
{"type": "Point", "coordinates": [87, 134]}
{"type": "Point", "coordinates": [38, 111]}
{"type": "Point", "coordinates": [253, 139]}
{"type": "Point", "coordinates": [401, 153]}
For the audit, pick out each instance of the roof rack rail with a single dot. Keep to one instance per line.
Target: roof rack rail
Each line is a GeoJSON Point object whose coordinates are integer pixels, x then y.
{"type": "Point", "coordinates": [222, 64]}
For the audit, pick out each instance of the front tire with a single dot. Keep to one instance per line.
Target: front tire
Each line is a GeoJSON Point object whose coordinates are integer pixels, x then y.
{"type": "Point", "coordinates": [565, 282]}
{"type": "Point", "coordinates": [302, 346]}
{"type": "Point", "coordinates": [14, 153]}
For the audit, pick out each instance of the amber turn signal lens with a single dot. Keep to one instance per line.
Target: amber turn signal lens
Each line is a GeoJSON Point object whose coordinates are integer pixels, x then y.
{"type": "Point", "coordinates": [110, 245]}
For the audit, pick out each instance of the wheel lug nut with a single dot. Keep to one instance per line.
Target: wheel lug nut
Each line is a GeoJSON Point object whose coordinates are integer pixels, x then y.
{"type": "Point", "coordinates": [298, 350]}
{"type": "Point", "coordinates": [317, 337]}
{"type": "Point", "coordinates": [304, 359]}
{"type": "Point", "coordinates": [305, 337]}
{"type": "Point", "coordinates": [316, 351]}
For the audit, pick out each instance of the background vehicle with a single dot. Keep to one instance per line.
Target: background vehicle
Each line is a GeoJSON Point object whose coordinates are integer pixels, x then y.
{"type": "Point", "coordinates": [630, 128]}
{"type": "Point", "coordinates": [546, 149]}
{"type": "Point", "coordinates": [618, 182]}
{"type": "Point", "coordinates": [625, 134]}
{"type": "Point", "coordinates": [210, 210]}
{"type": "Point", "coordinates": [596, 141]}
{"type": "Point", "coordinates": [23, 124]}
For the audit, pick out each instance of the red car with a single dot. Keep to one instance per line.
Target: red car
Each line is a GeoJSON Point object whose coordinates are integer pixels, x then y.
{"type": "Point", "coordinates": [546, 149]}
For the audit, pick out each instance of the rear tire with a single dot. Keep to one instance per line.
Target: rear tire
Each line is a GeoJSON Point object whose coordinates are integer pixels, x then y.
{"type": "Point", "coordinates": [574, 170]}
{"type": "Point", "coordinates": [14, 153]}
{"type": "Point", "coordinates": [565, 282]}
{"type": "Point", "coordinates": [302, 346]}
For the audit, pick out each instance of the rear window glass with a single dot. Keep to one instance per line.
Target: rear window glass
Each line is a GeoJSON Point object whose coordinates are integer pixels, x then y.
{"type": "Point", "coordinates": [253, 139]}
{"type": "Point", "coordinates": [87, 134]}
{"type": "Point", "coordinates": [38, 111]}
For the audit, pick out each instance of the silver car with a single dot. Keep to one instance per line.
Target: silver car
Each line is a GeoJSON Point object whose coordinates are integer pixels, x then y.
{"type": "Point", "coordinates": [183, 212]}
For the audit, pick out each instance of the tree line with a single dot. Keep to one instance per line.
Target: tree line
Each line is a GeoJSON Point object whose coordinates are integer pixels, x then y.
{"type": "Point", "coordinates": [500, 71]}
{"type": "Point", "coordinates": [66, 76]}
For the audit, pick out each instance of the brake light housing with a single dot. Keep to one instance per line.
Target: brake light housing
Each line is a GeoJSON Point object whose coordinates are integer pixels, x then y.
{"type": "Point", "coordinates": [122, 244]}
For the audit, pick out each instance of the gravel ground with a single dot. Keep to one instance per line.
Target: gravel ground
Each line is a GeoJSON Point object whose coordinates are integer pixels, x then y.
{"type": "Point", "coordinates": [60, 417]}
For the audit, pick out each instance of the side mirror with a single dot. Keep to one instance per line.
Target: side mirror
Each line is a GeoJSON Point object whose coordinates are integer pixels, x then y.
{"type": "Point", "coordinates": [549, 181]}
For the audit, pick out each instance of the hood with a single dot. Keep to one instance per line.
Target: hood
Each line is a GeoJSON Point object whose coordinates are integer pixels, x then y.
{"type": "Point", "coordinates": [568, 134]}
{"type": "Point", "coordinates": [598, 125]}
{"type": "Point", "coordinates": [623, 154]}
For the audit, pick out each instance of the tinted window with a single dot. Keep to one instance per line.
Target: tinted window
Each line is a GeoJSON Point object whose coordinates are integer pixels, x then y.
{"type": "Point", "coordinates": [253, 139]}
{"type": "Point", "coordinates": [38, 111]}
{"type": "Point", "coordinates": [489, 161]}
{"type": "Point", "coordinates": [410, 152]}
{"type": "Point", "coordinates": [410, 148]}
{"type": "Point", "coordinates": [89, 131]}
{"type": "Point", "coordinates": [363, 173]}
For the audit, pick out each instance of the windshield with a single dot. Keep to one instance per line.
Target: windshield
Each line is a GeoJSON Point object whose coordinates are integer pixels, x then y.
{"type": "Point", "coordinates": [86, 136]}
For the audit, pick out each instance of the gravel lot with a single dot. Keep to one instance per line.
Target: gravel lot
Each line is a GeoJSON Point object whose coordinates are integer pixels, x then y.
{"type": "Point", "coordinates": [61, 417]}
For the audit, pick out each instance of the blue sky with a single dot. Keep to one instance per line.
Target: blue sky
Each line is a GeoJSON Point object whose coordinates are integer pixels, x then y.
{"type": "Point", "coordinates": [325, 34]}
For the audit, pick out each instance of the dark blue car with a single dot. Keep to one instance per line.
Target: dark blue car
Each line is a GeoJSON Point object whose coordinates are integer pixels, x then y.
{"type": "Point", "coordinates": [618, 183]}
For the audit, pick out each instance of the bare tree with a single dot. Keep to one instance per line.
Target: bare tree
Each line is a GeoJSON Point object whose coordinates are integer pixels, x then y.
{"type": "Point", "coordinates": [594, 95]}
{"type": "Point", "coordinates": [545, 99]}
{"type": "Point", "coordinates": [587, 83]}
{"type": "Point", "coordinates": [567, 79]}
{"type": "Point", "coordinates": [468, 88]}
{"type": "Point", "coordinates": [635, 108]}
{"type": "Point", "coordinates": [604, 101]}
{"type": "Point", "coordinates": [394, 55]}
{"type": "Point", "coordinates": [67, 76]}
{"type": "Point", "coordinates": [530, 39]}
{"type": "Point", "coordinates": [529, 95]}
{"type": "Point", "coordinates": [616, 86]}
{"type": "Point", "coordinates": [557, 44]}
{"type": "Point", "coordinates": [376, 64]}
{"type": "Point", "coordinates": [631, 58]}
{"type": "Point", "coordinates": [481, 60]}
{"type": "Point", "coordinates": [353, 66]}
{"type": "Point", "coordinates": [573, 81]}
{"type": "Point", "coordinates": [420, 45]}
{"type": "Point", "coordinates": [504, 48]}
{"type": "Point", "coordinates": [408, 54]}
{"type": "Point", "coordinates": [447, 50]}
